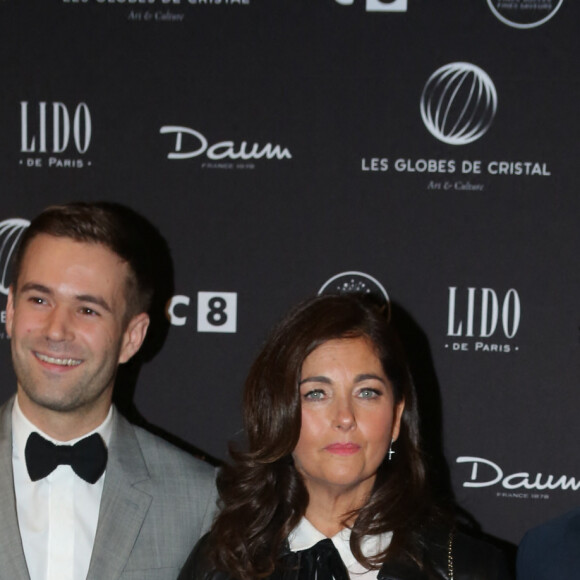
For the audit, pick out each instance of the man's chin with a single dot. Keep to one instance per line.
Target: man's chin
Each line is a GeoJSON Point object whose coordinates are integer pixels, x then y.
{"type": "Point", "coordinates": [53, 401]}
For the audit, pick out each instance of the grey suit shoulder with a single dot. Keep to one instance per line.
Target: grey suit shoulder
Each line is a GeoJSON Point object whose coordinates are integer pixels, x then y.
{"type": "Point", "coordinates": [164, 460]}
{"type": "Point", "coordinates": [157, 501]}
{"type": "Point", "coordinates": [181, 482]}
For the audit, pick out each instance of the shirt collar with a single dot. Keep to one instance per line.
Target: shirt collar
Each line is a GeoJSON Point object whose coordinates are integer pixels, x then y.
{"type": "Point", "coordinates": [305, 535]}
{"type": "Point", "coordinates": [22, 428]}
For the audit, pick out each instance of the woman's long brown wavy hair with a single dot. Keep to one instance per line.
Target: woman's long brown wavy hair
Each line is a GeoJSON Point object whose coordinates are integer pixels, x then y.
{"type": "Point", "coordinates": [263, 496]}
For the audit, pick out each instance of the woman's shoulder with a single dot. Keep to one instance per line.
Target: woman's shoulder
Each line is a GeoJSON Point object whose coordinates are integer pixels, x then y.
{"type": "Point", "coordinates": [474, 557]}
{"type": "Point", "coordinates": [451, 553]}
{"type": "Point", "coordinates": [465, 555]}
{"type": "Point", "coordinates": [198, 566]}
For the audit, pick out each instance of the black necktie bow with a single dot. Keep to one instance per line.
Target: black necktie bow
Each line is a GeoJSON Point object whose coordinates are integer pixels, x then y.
{"type": "Point", "coordinates": [87, 457]}
{"type": "Point", "coordinates": [322, 562]}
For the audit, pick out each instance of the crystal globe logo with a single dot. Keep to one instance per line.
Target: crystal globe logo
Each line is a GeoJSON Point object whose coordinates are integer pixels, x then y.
{"type": "Point", "coordinates": [357, 283]}
{"type": "Point", "coordinates": [524, 13]}
{"type": "Point", "coordinates": [458, 103]}
{"type": "Point", "coordinates": [10, 232]}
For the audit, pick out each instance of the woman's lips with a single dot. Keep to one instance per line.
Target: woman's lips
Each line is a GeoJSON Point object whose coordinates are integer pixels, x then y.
{"type": "Point", "coordinates": [342, 448]}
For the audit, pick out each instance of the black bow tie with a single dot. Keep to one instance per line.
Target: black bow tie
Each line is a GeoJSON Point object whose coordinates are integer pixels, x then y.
{"type": "Point", "coordinates": [322, 562]}
{"type": "Point", "coordinates": [87, 457]}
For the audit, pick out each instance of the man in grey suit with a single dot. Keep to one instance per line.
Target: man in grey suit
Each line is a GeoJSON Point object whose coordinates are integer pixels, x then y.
{"type": "Point", "coordinates": [83, 493]}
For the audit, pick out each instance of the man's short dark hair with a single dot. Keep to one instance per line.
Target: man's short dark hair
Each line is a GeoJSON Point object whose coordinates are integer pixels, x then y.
{"type": "Point", "coordinates": [114, 226]}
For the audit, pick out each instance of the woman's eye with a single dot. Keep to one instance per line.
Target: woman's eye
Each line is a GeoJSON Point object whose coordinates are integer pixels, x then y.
{"type": "Point", "coordinates": [314, 395]}
{"type": "Point", "coordinates": [369, 393]}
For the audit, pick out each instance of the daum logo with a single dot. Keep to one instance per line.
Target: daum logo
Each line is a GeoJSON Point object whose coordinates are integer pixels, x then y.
{"type": "Point", "coordinates": [354, 282]}
{"type": "Point", "coordinates": [190, 143]}
{"type": "Point", "coordinates": [486, 473]}
{"type": "Point", "coordinates": [380, 5]}
{"type": "Point", "coordinates": [524, 13]}
{"type": "Point", "coordinates": [458, 103]}
{"type": "Point", "coordinates": [11, 231]}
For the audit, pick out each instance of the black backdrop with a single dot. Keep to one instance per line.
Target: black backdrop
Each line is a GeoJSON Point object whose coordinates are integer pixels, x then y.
{"type": "Point", "coordinates": [427, 146]}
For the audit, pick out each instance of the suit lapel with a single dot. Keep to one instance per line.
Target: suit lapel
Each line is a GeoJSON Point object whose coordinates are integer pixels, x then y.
{"type": "Point", "coordinates": [11, 551]}
{"type": "Point", "coordinates": [123, 506]}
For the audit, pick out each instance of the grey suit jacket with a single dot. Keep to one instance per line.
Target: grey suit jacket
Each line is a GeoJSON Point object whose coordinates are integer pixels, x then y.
{"type": "Point", "coordinates": [157, 501]}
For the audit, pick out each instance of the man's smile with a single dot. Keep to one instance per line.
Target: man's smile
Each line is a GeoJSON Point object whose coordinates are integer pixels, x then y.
{"type": "Point", "coordinates": [65, 362]}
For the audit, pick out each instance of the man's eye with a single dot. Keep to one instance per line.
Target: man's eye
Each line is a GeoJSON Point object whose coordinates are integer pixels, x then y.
{"type": "Point", "coordinates": [89, 311]}
{"type": "Point", "coordinates": [36, 300]}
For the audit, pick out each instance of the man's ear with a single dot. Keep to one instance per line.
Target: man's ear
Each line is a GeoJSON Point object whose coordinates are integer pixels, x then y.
{"type": "Point", "coordinates": [134, 336]}
{"type": "Point", "coordinates": [10, 311]}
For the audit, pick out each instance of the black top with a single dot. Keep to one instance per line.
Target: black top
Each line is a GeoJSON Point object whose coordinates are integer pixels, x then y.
{"type": "Point", "coordinates": [472, 559]}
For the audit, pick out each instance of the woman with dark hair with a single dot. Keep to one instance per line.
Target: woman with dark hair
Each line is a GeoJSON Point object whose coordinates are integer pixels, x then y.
{"type": "Point", "coordinates": [333, 484]}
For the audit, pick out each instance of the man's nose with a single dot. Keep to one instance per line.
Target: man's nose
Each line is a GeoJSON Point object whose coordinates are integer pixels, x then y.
{"type": "Point", "coordinates": [59, 324]}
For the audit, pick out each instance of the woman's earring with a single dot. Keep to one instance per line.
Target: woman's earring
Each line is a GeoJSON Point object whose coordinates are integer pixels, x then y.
{"type": "Point", "coordinates": [391, 450]}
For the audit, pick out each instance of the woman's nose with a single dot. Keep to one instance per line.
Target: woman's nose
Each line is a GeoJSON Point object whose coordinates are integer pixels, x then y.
{"type": "Point", "coordinates": [344, 415]}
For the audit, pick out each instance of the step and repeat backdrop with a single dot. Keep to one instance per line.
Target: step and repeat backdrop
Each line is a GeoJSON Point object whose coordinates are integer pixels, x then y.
{"type": "Point", "coordinates": [425, 151]}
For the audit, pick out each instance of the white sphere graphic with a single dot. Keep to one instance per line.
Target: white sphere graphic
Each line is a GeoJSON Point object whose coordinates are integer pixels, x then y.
{"type": "Point", "coordinates": [544, 12]}
{"type": "Point", "coordinates": [10, 232]}
{"type": "Point", "coordinates": [458, 103]}
{"type": "Point", "coordinates": [358, 283]}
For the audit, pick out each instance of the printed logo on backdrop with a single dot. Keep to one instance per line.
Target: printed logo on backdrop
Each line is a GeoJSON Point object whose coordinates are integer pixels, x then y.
{"type": "Point", "coordinates": [188, 143]}
{"type": "Point", "coordinates": [54, 135]}
{"type": "Point", "coordinates": [216, 311]}
{"type": "Point", "coordinates": [524, 13]}
{"type": "Point", "coordinates": [380, 5]}
{"type": "Point", "coordinates": [159, 11]}
{"type": "Point", "coordinates": [458, 105]}
{"type": "Point", "coordinates": [354, 282]}
{"type": "Point", "coordinates": [11, 231]}
{"type": "Point", "coordinates": [484, 473]}
{"type": "Point", "coordinates": [483, 320]}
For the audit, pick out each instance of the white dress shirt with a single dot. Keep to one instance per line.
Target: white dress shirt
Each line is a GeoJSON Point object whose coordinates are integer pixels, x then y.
{"type": "Point", "coordinates": [305, 535]}
{"type": "Point", "coordinates": [57, 515]}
